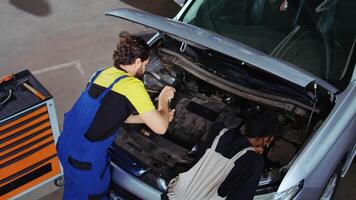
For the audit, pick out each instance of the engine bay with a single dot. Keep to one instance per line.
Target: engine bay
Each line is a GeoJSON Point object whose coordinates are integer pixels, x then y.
{"type": "Point", "coordinates": [198, 105]}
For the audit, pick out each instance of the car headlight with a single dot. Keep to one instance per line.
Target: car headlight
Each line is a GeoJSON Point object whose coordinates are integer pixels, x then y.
{"type": "Point", "coordinates": [288, 194]}
{"type": "Point", "coordinates": [162, 185]}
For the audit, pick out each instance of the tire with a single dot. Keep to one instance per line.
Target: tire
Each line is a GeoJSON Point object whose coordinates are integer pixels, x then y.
{"type": "Point", "coordinates": [59, 182]}
{"type": "Point", "coordinates": [332, 184]}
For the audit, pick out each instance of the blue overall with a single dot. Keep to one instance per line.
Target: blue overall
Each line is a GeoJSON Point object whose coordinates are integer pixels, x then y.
{"type": "Point", "coordinates": [85, 163]}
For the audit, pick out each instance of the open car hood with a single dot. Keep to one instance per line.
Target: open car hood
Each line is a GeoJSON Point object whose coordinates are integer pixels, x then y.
{"type": "Point", "coordinates": [223, 45]}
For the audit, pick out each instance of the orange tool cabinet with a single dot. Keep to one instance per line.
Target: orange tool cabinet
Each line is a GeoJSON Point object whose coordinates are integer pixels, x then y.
{"type": "Point", "coordinates": [28, 134]}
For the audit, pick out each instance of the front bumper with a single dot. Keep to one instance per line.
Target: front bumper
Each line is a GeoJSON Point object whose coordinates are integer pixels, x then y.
{"type": "Point", "coordinates": [132, 184]}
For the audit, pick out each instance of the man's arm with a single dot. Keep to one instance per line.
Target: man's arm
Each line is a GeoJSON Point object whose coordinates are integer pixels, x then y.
{"type": "Point", "coordinates": [134, 119]}
{"type": "Point", "coordinates": [156, 120]}
{"type": "Point", "coordinates": [137, 119]}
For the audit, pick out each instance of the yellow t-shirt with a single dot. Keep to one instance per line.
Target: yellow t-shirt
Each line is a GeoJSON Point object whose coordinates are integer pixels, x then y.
{"type": "Point", "coordinates": [130, 87]}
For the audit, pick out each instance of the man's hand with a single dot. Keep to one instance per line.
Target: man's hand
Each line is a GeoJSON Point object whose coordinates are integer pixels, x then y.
{"type": "Point", "coordinates": [167, 94]}
{"type": "Point", "coordinates": [171, 115]}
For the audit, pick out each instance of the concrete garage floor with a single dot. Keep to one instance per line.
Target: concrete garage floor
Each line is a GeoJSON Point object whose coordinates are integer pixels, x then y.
{"type": "Point", "coordinates": [64, 42]}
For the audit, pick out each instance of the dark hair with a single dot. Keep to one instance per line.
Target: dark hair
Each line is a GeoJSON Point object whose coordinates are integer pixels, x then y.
{"type": "Point", "coordinates": [260, 126]}
{"type": "Point", "coordinates": [129, 48]}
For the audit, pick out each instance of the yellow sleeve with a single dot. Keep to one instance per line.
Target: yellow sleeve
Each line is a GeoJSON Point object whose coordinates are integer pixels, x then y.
{"type": "Point", "coordinates": [135, 91]}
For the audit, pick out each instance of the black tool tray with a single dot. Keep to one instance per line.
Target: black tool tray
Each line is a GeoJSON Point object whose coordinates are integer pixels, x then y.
{"type": "Point", "coordinates": [14, 97]}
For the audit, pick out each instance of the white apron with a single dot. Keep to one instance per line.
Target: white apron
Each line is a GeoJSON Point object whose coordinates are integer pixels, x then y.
{"type": "Point", "coordinates": [202, 181]}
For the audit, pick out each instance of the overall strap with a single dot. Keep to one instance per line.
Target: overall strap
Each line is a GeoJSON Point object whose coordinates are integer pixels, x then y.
{"type": "Point", "coordinates": [241, 153]}
{"type": "Point", "coordinates": [107, 90]}
{"type": "Point", "coordinates": [94, 78]}
{"type": "Point", "coordinates": [216, 140]}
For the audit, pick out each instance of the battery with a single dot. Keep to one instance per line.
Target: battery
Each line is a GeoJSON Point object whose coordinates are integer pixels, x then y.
{"type": "Point", "coordinates": [28, 135]}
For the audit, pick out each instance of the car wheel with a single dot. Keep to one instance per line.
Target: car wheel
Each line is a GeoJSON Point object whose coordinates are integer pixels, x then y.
{"type": "Point", "coordinates": [330, 188]}
{"type": "Point", "coordinates": [59, 182]}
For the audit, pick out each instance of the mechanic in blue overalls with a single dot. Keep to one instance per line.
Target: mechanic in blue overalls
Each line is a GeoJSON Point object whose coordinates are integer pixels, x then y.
{"type": "Point", "coordinates": [113, 96]}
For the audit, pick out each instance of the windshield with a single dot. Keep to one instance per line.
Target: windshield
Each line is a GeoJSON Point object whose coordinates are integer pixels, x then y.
{"type": "Point", "coordinates": [315, 35]}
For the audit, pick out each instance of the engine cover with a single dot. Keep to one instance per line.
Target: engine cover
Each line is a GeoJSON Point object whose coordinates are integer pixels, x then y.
{"type": "Point", "coordinates": [192, 120]}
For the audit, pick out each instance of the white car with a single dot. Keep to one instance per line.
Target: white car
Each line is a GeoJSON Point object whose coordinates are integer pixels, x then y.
{"type": "Point", "coordinates": [230, 60]}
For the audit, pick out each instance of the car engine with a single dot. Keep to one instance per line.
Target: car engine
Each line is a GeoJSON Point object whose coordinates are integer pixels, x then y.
{"type": "Point", "coordinates": [198, 105]}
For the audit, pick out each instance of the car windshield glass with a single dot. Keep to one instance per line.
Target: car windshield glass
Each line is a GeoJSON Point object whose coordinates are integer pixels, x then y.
{"type": "Point", "coordinates": [315, 35]}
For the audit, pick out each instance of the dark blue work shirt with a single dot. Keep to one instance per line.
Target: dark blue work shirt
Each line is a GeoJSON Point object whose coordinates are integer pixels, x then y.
{"type": "Point", "coordinates": [243, 179]}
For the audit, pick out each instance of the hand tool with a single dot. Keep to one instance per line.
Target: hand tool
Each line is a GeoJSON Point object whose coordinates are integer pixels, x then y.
{"type": "Point", "coordinates": [7, 98]}
{"type": "Point", "coordinates": [32, 89]}
{"type": "Point", "coordinates": [6, 78]}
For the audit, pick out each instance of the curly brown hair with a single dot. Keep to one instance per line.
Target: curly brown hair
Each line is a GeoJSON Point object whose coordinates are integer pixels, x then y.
{"type": "Point", "coordinates": [129, 48]}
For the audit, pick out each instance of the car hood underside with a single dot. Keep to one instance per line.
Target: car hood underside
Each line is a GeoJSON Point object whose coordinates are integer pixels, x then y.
{"type": "Point", "coordinates": [224, 45]}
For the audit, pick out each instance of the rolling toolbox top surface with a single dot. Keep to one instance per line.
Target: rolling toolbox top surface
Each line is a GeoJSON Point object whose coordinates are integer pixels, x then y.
{"type": "Point", "coordinates": [14, 97]}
